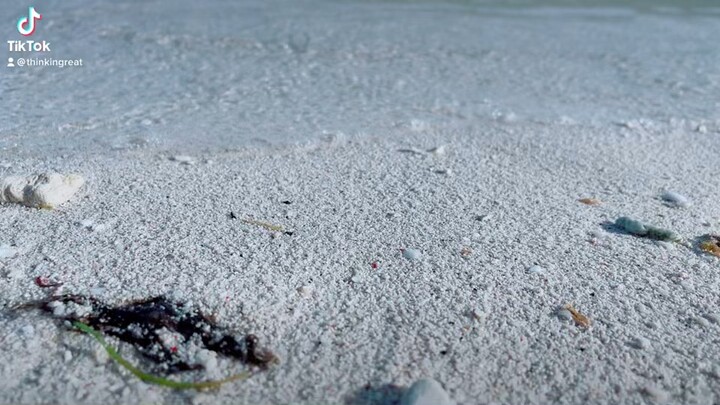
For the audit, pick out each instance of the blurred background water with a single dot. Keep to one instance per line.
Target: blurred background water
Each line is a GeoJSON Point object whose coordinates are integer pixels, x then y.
{"type": "Point", "coordinates": [221, 74]}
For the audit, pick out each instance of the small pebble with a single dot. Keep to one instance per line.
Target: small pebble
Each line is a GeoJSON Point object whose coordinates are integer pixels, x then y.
{"type": "Point", "coordinates": [676, 200]}
{"type": "Point", "coordinates": [67, 356]}
{"type": "Point", "coordinates": [412, 254]}
{"type": "Point", "coordinates": [183, 159]}
{"type": "Point", "coordinates": [536, 270]}
{"type": "Point", "coordinates": [305, 291]}
{"type": "Point", "coordinates": [639, 229]}
{"type": "Point", "coordinates": [632, 226]}
{"type": "Point", "coordinates": [426, 392]}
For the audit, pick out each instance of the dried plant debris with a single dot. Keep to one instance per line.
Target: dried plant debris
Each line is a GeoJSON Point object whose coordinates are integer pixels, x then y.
{"type": "Point", "coordinates": [590, 201]}
{"type": "Point", "coordinates": [168, 333]}
{"type": "Point", "coordinates": [153, 379]}
{"type": "Point", "coordinates": [269, 227]}
{"type": "Point", "coordinates": [637, 228]}
{"type": "Point", "coordinates": [710, 244]}
{"type": "Point", "coordinates": [580, 319]}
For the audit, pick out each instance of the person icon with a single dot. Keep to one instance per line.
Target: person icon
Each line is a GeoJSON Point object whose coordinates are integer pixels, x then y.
{"type": "Point", "coordinates": [11, 62]}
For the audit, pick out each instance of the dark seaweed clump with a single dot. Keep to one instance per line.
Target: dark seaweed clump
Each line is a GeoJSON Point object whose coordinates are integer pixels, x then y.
{"type": "Point", "coordinates": [138, 322]}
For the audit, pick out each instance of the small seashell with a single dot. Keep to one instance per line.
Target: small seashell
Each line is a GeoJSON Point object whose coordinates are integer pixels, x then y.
{"type": "Point", "coordinates": [675, 199]}
{"type": "Point", "coordinates": [46, 190]}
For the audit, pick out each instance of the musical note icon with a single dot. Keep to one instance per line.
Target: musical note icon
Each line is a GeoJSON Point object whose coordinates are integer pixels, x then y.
{"type": "Point", "coordinates": [26, 25]}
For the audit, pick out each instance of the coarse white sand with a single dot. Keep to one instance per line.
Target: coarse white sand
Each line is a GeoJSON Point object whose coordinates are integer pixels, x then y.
{"type": "Point", "coordinates": [499, 198]}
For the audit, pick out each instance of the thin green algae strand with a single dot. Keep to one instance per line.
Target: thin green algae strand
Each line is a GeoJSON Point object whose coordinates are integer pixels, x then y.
{"type": "Point", "coordinates": [153, 379]}
{"type": "Point", "coordinates": [637, 228]}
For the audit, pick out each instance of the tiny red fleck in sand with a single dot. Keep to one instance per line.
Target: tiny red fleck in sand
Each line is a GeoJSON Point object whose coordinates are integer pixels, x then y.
{"type": "Point", "coordinates": [44, 282]}
{"type": "Point", "coordinates": [374, 265]}
{"type": "Point", "coordinates": [173, 349]}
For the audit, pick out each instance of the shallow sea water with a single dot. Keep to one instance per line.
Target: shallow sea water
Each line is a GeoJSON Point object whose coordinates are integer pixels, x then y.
{"type": "Point", "coordinates": [223, 74]}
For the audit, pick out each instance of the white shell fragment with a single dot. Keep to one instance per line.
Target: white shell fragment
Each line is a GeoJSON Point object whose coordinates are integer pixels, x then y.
{"type": "Point", "coordinates": [438, 150]}
{"type": "Point", "coordinates": [183, 159]}
{"type": "Point", "coordinates": [536, 269]}
{"type": "Point", "coordinates": [412, 254]}
{"type": "Point", "coordinates": [675, 199]}
{"type": "Point", "coordinates": [305, 291]}
{"type": "Point", "coordinates": [426, 392]}
{"type": "Point", "coordinates": [7, 251]}
{"type": "Point", "coordinates": [46, 190]}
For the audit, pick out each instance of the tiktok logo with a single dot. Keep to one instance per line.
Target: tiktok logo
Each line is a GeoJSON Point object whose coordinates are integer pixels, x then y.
{"type": "Point", "coordinates": [26, 25]}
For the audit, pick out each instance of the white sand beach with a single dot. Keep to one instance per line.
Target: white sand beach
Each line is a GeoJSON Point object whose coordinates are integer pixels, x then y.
{"type": "Point", "coordinates": [397, 235]}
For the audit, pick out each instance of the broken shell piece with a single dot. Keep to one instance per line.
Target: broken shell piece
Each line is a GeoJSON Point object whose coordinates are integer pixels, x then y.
{"type": "Point", "coordinates": [590, 201]}
{"type": "Point", "coordinates": [674, 199]}
{"type": "Point", "coordinates": [46, 190]}
{"type": "Point", "coordinates": [711, 244]}
{"type": "Point", "coordinates": [580, 319]}
{"type": "Point", "coordinates": [536, 270]}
